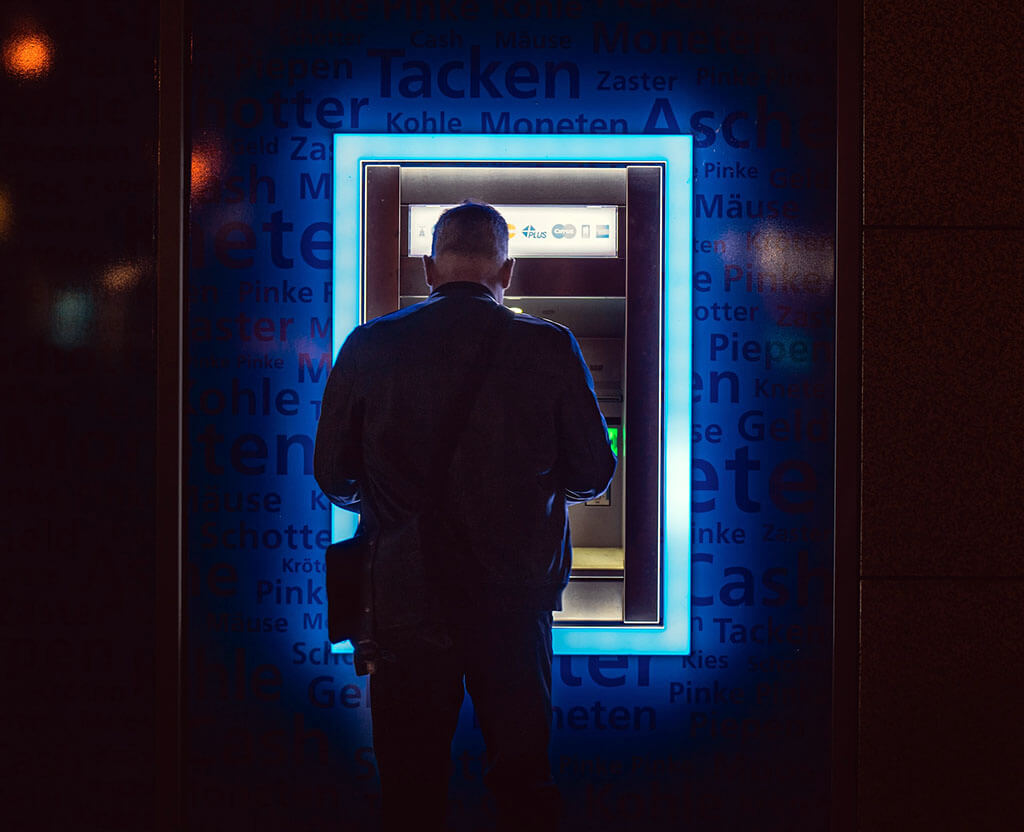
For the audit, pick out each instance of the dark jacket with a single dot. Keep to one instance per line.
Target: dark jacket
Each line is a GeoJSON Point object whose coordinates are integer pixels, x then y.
{"type": "Point", "coordinates": [534, 442]}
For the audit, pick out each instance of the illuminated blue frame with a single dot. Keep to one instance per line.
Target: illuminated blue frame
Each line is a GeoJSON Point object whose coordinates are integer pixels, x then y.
{"type": "Point", "coordinates": [676, 153]}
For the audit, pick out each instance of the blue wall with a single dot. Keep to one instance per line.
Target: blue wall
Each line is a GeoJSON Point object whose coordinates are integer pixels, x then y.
{"type": "Point", "coordinates": [735, 734]}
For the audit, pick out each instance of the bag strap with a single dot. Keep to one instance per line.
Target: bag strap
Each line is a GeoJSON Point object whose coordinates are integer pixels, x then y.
{"type": "Point", "coordinates": [461, 406]}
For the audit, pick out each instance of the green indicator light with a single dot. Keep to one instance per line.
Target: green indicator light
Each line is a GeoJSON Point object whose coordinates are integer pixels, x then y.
{"type": "Point", "coordinates": [613, 437]}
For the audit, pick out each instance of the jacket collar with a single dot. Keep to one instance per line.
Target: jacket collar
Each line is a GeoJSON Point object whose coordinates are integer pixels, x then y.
{"type": "Point", "coordinates": [462, 288]}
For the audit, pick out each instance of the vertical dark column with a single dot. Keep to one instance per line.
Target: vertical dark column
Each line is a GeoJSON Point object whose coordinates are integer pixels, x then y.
{"type": "Point", "coordinates": [380, 233]}
{"type": "Point", "coordinates": [643, 422]}
{"type": "Point", "coordinates": [173, 187]}
{"type": "Point", "coordinates": [845, 615]}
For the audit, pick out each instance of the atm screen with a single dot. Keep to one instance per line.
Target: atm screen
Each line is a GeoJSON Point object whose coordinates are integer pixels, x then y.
{"type": "Point", "coordinates": [535, 230]}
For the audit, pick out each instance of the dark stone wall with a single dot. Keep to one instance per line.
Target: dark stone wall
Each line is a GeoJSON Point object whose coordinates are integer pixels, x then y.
{"type": "Point", "coordinates": [78, 266]}
{"type": "Point", "coordinates": [941, 559]}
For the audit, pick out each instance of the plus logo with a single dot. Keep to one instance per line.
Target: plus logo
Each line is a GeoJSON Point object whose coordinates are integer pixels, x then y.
{"type": "Point", "coordinates": [533, 233]}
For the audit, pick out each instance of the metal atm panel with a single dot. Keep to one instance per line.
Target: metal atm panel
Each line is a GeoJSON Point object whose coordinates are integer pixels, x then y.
{"type": "Point", "coordinates": [612, 299]}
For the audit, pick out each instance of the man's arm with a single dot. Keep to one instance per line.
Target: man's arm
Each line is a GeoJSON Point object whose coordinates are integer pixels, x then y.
{"type": "Point", "coordinates": [586, 462]}
{"type": "Point", "coordinates": [338, 457]}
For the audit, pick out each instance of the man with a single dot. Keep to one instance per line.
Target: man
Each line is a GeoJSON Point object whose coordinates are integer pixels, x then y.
{"type": "Point", "coordinates": [460, 431]}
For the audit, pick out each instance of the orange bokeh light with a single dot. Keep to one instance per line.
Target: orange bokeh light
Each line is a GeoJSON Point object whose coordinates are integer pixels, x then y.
{"type": "Point", "coordinates": [122, 276]}
{"type": "Point", "coordinates": [6, 215]}
{"type": "Point", "coordinates": [203, 170]}
{"type": "Point", "coordinates": [28, 55]}
{"type": "Point", "coordinates": [207, 165]}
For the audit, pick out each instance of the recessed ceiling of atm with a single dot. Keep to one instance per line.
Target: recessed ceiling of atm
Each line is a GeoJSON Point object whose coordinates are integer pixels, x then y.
{"type": "Point", "coordinates": [513, 185]}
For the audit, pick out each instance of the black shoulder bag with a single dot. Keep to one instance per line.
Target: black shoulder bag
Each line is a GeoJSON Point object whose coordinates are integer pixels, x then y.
{"type": "Point", "coordinates": [349, 563]}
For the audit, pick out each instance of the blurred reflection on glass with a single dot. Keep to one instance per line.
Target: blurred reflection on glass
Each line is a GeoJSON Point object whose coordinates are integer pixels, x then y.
{"type": "Point", "coordinates": [202, 171]}
{"type": "Point", "coordinates": [122, 276]}
{"type": "Point", "coordinates": [6, 214]}
{"type": "Point", "coordinates": [70, 317]}
{"type": "Point", "coordinates": [28, 55]}
{"type": "Point", "coordinates": [207, 167]}
{"type": "Point", "coordinates": [779, 247]}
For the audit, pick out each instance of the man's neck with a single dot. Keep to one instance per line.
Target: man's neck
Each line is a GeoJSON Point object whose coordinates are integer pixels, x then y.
{"type": "Point", "coordinates": [472, 286]}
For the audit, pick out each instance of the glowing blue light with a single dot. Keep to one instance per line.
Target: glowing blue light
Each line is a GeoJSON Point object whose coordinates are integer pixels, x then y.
{"type": "Point", "coordinates": [676, 153]}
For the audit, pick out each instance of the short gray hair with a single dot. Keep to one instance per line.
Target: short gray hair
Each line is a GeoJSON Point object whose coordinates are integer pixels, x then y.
{"type": "Point", "coordinates": [471, 229]}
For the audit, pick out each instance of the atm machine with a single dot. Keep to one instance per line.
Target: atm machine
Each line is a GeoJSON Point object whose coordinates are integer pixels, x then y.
{"type": "Point", "coordinates": [589, 228]}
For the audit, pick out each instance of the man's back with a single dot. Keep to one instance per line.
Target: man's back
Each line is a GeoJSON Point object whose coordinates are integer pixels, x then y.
{"type": "Point", "coordinates": [533, 439]}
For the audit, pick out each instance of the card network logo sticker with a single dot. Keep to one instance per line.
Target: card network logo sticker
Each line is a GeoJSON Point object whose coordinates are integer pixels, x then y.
{"type": "Point", "coordinates": [511, 230]}
{"type": "Point", "coordinates": [566, 231]}
{"type": "Point", "coordinates": [602, 231]}
{"type": "Point", "coordinates": [533, 233]}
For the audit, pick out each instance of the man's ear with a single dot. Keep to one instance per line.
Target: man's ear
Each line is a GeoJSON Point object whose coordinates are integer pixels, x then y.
{"type": "Point", "coordinates": [505, 272]}
{"type": "Point", "coordinates": [430, 270]}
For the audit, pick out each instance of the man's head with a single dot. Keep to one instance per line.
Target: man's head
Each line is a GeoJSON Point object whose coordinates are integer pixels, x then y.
{"type": "Point", "coordinates": [470, 243]}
